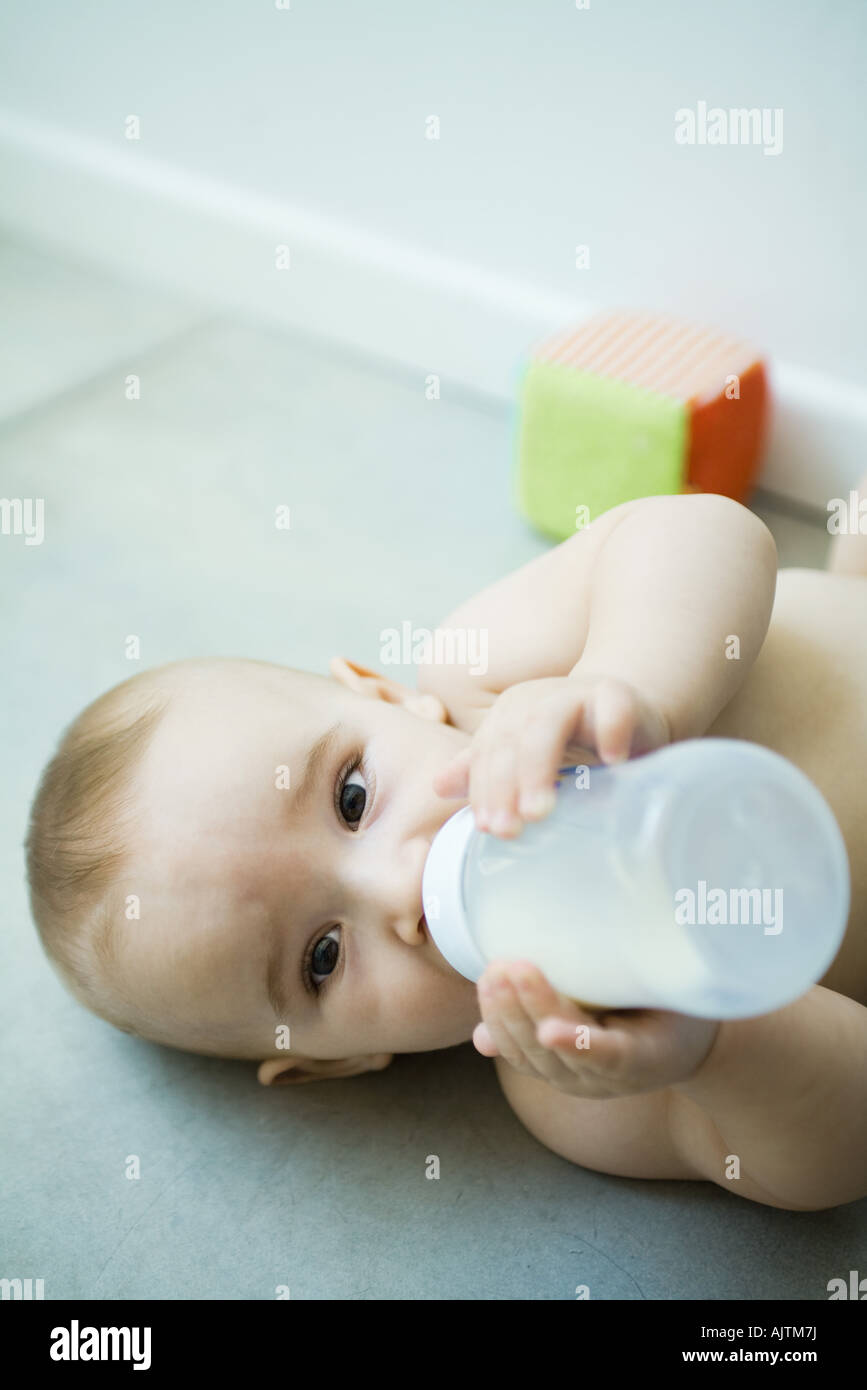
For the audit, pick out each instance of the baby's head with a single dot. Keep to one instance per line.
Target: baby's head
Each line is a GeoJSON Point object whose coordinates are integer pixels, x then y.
{"type": "Point", "coordinates": [222, 849]}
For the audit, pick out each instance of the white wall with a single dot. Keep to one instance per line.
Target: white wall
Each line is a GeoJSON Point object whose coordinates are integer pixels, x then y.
{"type": "Point", "coordinates": [557, 128]}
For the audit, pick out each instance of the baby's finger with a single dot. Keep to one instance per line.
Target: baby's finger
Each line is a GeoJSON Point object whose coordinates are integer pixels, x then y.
{"type": "Point", "coordinates": [541, 752]}
{"type": "Point", "coordinates": [605, 1049]}
{"type": "Point", "coordinates": [494, 790]}
{"type": "Point", "coordinates": [511, 1027]}
{"type": "Point", "coordinates": [614, 721]}
{"type": "Point", "coordinates": [543, 1003]}
{"type": "Point", "coordinates": [573, 1033]}
{"type": "Point", "coordinates": [500, 1037]}
{"type": "Point", "coordinates": [453, 779]}
{"type": "Point", "coordinates": [483, 1042]}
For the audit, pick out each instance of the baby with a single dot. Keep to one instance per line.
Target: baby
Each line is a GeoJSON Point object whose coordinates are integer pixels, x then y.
{"type": "Point", "coordinates": [226, 856]}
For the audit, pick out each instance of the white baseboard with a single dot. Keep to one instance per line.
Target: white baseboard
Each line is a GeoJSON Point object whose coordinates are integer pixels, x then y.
{"type": "Point", "coordinates": [420, 312]}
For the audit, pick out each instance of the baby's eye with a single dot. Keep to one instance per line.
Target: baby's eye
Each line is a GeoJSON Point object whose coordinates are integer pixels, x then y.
{"type": "Point", "coordinates": [323, 959]}
{"type": "Point", "coordinates": [352, 798]}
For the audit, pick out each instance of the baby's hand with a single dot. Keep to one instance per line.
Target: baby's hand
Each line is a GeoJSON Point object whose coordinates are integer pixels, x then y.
{"type": "Point", "coordinates": [543, 1034]}
{"type": "Point", "coordinates": [509, 769]}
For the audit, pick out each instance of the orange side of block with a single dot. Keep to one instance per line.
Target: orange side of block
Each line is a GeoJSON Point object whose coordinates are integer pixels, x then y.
{"type": "Point", "coordinates": [726, 437]}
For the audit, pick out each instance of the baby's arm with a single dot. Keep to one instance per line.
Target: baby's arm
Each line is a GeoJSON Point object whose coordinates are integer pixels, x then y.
{"type": "Point", "coordinates": [650, 593]}
{"type": "Point", "coordinates": [775, 1113]}
{"type": "Point", "coordinates": [785, 1094]}
{"type": "Point", "coordinates": [674, 583]}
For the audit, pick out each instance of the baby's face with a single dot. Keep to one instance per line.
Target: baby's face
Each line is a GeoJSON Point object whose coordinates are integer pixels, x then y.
{"type": "Point", "coordinates": [245, 884]}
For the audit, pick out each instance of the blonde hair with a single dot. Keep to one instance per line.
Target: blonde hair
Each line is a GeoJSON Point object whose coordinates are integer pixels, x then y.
{"type": "Point", "coordinates": [77, 840]}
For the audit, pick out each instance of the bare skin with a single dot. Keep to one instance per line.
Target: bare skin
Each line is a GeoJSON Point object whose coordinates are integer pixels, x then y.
{"type": "Point", "coordinates": [633, 613]}
{"type": "Point", "coordinates": [233, 869]}
{"type": "Point", "coordinates": [785, 1094]}
{"type": "Point", "coordinates": [806, 698]}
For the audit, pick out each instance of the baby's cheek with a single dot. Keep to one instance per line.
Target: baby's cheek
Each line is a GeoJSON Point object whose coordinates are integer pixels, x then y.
{"type": "Point", "coordinates": [430, 1010]}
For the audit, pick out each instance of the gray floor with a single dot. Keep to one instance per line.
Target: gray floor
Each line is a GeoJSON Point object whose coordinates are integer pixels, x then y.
{"type": "Point", "coordinates": [159, 522]}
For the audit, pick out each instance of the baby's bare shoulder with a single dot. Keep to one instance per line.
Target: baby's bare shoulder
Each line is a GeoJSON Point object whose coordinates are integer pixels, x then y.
{"type": "Point", "coordinates": [805, 693]}
{"type": "Point", "coordinates": [821, 591]}
{"type": "Point", "coordinates": [827, 607]}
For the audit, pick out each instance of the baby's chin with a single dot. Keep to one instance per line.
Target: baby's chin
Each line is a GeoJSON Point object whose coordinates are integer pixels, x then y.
{"type": "Point", "coordinates": [438, 1031]}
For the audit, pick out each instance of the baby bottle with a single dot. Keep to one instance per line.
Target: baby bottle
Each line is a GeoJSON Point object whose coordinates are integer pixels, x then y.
{"type": "Point", "coordinates": [709, 877]}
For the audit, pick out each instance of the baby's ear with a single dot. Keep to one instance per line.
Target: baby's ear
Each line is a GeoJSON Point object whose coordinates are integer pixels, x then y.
{"type": "Point", "coordinates": [378, 687]}
{"type": "Point", "coordinates": [290, 1071]}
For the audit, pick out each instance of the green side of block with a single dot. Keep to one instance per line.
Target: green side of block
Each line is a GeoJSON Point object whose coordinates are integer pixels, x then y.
{"type": "Point", "coordinates": [591, 441]}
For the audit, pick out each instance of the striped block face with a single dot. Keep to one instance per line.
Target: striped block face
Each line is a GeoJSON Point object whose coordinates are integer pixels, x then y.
{"type": "Point", "coordinates": [633, 406]}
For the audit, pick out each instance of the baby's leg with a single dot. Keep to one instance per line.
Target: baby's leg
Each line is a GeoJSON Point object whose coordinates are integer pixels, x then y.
{"type": "Point", "coordinates": [848, 553]}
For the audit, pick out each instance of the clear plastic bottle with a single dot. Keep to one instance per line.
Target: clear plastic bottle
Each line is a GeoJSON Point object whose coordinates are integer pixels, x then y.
{"type": "Point", "coordinates": [709, 877]}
